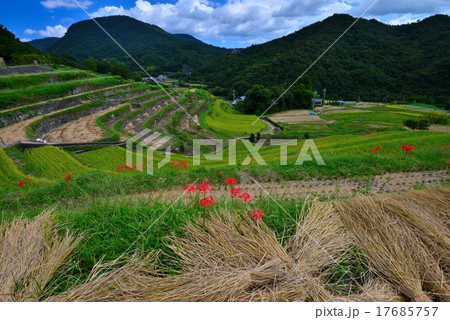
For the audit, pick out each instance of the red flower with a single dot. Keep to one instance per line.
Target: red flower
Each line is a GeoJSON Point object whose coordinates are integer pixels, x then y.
{"type": "Point", "coordinates": [407, 148]}
{"type": "Point", "coordinates": [20, 183]}
{"type": "Point", "coordinates": [230, 182]}
{"type": "Point", "coordinates": [235, 192]}
{"type": "Point", "coordinates": [245, 197]}
{"type": "Point", "coordinates": [220, 173]}
{"type": "Point", "coordinates": [257, 215]}
{"type": "Point", "coordinates": [183, 164]}
{"type": "Point", "coordinates": [206, 202]}
{"type": "Point", "coordinates": [190, 188]}
{"type": "Point", "coordinates": [376, 149]}
{"type": "Point", "coordinates": [67, 177]}
{"type": "Point", "coordinates": [204, 187]}
{"type": "Point", "coordinates": [27, 179]}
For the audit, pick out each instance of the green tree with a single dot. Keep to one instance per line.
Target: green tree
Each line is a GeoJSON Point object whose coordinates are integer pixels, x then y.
{"type": "Point", "coordinates": [91, 64]}
{"type": "Point", "coordinates": [302, 96]}
{"type": "Point", "coordinates": [257, 100]}
{"type": "Point", "coordinates": [121, 69]}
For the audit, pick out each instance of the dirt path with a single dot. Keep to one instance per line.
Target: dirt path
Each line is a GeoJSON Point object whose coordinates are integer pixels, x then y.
{"type": "Point", "coordinates": [81, 130]}
{"type": "Point", "coordinates": [340, 187]}
{"type": "Point", "coordinates": [445, 129]}
{"type": "Point", "coordinates": [65, 97]}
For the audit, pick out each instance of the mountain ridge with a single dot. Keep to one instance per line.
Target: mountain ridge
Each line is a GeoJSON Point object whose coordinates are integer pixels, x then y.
{"type": "Point", "coordinates": [372, 61]}
{"type": "Point", "coordinates": [149, 44]}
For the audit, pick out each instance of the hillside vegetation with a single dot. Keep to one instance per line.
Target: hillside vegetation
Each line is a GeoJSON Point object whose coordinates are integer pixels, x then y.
{"type": "Point", "coordinates": [372, 62]}
{"type": "Point", "coordinates": [149, 44]}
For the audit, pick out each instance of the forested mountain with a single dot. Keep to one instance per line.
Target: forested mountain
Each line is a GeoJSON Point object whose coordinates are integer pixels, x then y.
{"type": "Point", "coordinates": [149, 44]}
{"type": "Point", "coordinates": [13, 50]}
{"type": "Point", "coordinates": [43, 44]}
{"type": "Point", "coordinates": [372, 61]}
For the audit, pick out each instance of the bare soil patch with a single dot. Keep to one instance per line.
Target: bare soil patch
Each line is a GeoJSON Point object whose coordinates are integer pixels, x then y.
{"type": "Point", "coordinates": [81, 130]}
{"type": "Point", "coordinates": [299, 119]}
{"type": "Point", "coordinates": [445, 129]}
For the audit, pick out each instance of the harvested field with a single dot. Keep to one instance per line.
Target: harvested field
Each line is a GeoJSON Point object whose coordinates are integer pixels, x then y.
{"type": "Point", "coordinates": [82, 130]}
{"type": "Point", "coordinates": [235, 259]}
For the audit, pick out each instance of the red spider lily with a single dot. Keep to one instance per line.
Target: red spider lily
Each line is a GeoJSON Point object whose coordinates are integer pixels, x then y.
{"type": "Point", "coordinates": [190, 188]}
{"type": "Point", "coordinates": [27, 179]}
{"type": "Point", "coordinates": [230, 182]}
{"type": "Point", "coordinates": [407, 148]}
{"type": "Point", "coordinates": [206, 202]}
{"type": "Point", "coordinates": [220, 173]}
{"type": "Point", "coordinates": [67, 177]}
{"type": "Point", "coordinates": [183, 164]}
{"type": "Point", "coordinates": [446, 147]}
{"type": "Point", "coordinates": [376, 149]}
{"type": "Point", "coordinates": [20, 183]}
{"type": "Point", "coordinates": [235, 192]}
{"type": "Point", "coordinates": [245, 197]}
{"type": "Point", "coordinates": [180, 164]}
{"type": "Point", "coordinates": [257, 215]}
{"type": "Point", "coordinates": [448, 161]}
{"type": "Point", "coordinates": [204, 188]}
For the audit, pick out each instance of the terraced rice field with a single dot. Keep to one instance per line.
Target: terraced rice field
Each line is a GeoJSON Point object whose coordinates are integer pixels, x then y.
{"type": "Point", "coordinates": [223, 119]}
{"type": "Point", "coordinates": [84, 204]}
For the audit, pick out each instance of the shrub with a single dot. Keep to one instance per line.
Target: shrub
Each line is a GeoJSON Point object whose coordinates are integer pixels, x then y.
{"type": "Point", "coordinates": [421, 124]}
{"type": "Point", "coordinates": [434, 118]}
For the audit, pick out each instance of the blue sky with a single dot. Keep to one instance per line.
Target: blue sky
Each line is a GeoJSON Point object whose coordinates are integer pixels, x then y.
{"type": "Point", "coordinates": [226, 23]}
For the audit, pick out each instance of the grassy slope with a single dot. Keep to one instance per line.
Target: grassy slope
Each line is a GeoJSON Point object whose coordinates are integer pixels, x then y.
{"type": "Point", "coordinates": [27, 80]}
{"type": "Point", "coordinates": [225, 120]}
{"type": "Point", "coordinates": [10, 175]}
{"type": "Point", "coordinates": [10, 98]}
{"type": "Point", "coordinates": [52, 163]}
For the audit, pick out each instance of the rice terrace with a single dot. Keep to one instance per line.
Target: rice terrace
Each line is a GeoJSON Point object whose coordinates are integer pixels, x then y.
{"type": "Point", "coordinates": [205, 176]}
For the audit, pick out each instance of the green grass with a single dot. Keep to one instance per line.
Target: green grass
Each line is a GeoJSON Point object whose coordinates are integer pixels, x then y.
{"type": "Point", "coordinates": [375, 119]}
{"type": "Point", "coordinates": [12, 98]}
{"type": "Point", "coordinates": [424, 105]}
{"type": "Point", "coordinates": [10, 175]}
{"type": "Point", "coordinates": [225, 120]}
{"type": "Point", "coordinates": [52, 163]}
{"type": "Point", "coordinates": [27, 80]}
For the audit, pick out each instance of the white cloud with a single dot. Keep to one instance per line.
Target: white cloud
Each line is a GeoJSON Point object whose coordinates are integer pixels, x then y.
{"type": "Point", "coordinates": [252, 21]}
{"type": "Point", "coordinates": [68, 4]}
{"type": "Point", "coordinates": [256, 21]}
{"type": "Point", "coordinates": [404, 19]}
{"type": "Point", "coordinates": [49, 31]}
{"type": "Point", "coordinates": [25, 39]}
{"type": "Point", "coordinates": [403, 7]}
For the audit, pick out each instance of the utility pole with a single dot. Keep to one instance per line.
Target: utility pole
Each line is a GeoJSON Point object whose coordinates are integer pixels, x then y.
{"type": "Point", "coordinates": [324, 94]}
